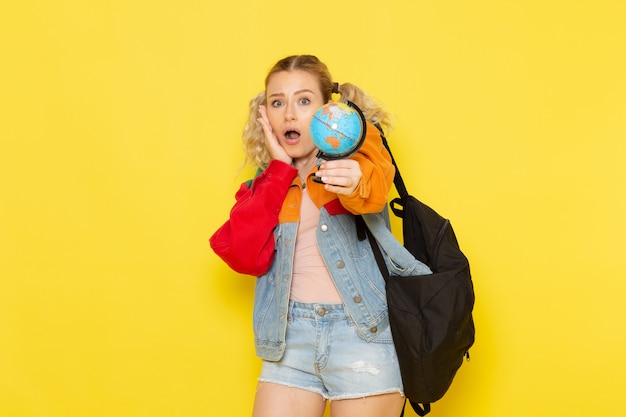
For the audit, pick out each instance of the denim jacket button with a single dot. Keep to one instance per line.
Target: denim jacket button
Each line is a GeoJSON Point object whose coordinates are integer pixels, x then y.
{"type": "Point", "coordinates": [324, 228]}
{"type": "Point", "coordinates": [341, 264]}
{"type": "Point", "coordinates": [374, 329]}
{"type": "Point", "coordinates": [357, 299]}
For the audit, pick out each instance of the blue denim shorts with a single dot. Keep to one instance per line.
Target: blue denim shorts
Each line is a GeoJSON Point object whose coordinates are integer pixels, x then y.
{"type": "Point", "coordinates": [325, 355]}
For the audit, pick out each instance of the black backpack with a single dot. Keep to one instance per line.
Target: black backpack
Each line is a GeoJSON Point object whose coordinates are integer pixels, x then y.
{"type": "Point", "coordinates": [430, 315]}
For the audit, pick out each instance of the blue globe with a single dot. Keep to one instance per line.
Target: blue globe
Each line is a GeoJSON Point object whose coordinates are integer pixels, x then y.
{"type": "Point", "coordinates": [337, 130]}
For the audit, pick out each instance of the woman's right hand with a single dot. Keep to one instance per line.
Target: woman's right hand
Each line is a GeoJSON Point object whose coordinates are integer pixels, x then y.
{"type": "Point", "coordinates": [271, 141]}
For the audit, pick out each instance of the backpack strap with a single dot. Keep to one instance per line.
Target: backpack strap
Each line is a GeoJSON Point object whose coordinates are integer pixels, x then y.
{"type": "Point", "coordinates": [397, 180]}
{"type": "Point", "coordinates": [360, 228]}
{"type": "Point", "coordinates": [420, 409]}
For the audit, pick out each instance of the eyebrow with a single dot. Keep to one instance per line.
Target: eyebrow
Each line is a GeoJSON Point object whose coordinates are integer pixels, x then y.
{"type": "Point", "coordinates": [304, 90]}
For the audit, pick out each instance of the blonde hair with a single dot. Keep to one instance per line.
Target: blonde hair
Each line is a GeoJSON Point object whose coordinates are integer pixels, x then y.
{"type": "Point", "coordinates": [256, 153]}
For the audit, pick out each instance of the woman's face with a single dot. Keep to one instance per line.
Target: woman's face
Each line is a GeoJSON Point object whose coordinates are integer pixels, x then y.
{"type": "Point", "coordinates": [292, 99]}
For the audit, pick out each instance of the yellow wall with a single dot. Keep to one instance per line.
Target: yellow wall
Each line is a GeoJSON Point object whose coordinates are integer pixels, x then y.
{"type": "Point", "coordinates": [119, 149]}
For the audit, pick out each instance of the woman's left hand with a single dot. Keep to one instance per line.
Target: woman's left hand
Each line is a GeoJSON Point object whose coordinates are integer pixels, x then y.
{"type": "Point", "coordinates": [340, 176]}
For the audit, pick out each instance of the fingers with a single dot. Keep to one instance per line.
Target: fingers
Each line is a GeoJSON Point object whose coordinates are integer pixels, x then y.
{"type": "Point", "coordinates": [271, 142]}
{"type": "Point", "coordinates": [340, 176]}
{"type": "Point", "coordinates": [344, 168]}
{"type": "Point", "coordinates": [265, 123]}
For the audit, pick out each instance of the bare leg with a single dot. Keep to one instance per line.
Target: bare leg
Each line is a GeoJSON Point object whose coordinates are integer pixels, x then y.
{"type": "Point", "coordinates": [274, 400]}
{"type": "Point", "coordinates": [385, 405]}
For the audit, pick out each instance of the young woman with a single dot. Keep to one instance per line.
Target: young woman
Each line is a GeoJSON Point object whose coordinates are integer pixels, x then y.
{"type": "Point", "coordinates": [320, 314]}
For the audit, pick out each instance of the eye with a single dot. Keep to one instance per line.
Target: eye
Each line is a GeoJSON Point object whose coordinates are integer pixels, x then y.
{"type": "Point", "coordinates": [305, 101]}
{"type": "Point", "coordinates": [277, 103]}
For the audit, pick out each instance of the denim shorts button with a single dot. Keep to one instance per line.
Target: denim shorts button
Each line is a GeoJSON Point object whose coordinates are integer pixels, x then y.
{"type": "Point", "coordinates": [321, 311]}
{"type": "Point", "coordinates": [324, 228]}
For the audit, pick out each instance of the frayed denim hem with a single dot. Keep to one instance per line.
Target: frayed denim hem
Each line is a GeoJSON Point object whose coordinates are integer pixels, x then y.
{"type": "Point", "coordinates": [365, 395]}
{"type": "Point", "coordinates": [325, 396]}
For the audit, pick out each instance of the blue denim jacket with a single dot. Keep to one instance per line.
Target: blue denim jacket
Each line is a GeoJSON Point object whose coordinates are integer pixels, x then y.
{"type": "Point", "coordinates": [354, 271]}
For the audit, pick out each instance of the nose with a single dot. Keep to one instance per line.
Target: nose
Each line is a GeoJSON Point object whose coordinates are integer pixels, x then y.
{"type": "Point", "coordinates": [290, 113]}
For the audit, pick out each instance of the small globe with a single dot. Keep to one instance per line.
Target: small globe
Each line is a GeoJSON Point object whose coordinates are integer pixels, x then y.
{"type": "Point", "coordinates": [337, 130]}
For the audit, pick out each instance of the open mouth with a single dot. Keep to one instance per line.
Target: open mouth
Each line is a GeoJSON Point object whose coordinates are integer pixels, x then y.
{"type": "Point", "coordinates": [291, 135]}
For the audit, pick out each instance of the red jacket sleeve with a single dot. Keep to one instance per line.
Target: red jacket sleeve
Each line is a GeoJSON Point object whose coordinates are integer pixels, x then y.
{"type": "Point", "coordinates": [246, 241]}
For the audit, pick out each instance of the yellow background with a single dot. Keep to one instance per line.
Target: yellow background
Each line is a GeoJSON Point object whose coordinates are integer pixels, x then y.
{"type": "Point", "coordinates": [120, 128]}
